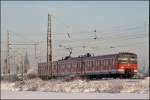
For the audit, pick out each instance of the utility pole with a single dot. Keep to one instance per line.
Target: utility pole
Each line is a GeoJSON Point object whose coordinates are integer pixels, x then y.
{"type": "Point", "coordinates": [49, 48]}
{"type": "Point", "coordinates": [7, 70]}
{"type": "Point", "coordinates": [14, 60]}
{"type": "Point", "coordinates": [22, 68]}
{"type": "Point", "coordinates": [35, 46]}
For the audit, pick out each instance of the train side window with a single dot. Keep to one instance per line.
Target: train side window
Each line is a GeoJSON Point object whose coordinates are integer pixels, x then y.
{"type": "Point", "coordinates": [79, 64]}
{"type": "Point", "coordinates": [99, 62]}
{"type": "Point", "coordinates": [62, 66]}
{"type": "Point", "coordinates": [113, 62]}
{"type": "Point", "coordinates": [87, 63]}
{"type": "Point", "coordinates": [102, 62]}
{"type": "Point", "coordinates": [66, 66]}
{"type": "Point", "coordinates": [71, 64]}
{"type": "Point", "coordinates": [92, 62]}
{"type": "Point", "coordinates": [108, 61]}
{"type": "Point", "coordinates": [96, 62]}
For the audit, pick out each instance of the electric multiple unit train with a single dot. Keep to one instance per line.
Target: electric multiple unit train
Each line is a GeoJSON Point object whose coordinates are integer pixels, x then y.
{"type": "Point", "coordinates": [123, 64]}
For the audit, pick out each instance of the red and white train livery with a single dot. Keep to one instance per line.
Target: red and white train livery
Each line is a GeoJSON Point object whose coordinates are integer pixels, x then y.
{"type": "Point", "coordinates": [113, 65]}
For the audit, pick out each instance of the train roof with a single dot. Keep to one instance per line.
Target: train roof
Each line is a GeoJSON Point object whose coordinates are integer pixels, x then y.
{"type": "Point", "coordinates": [127, 53]}
{"type": "Point", "coordinates": [88, 56]}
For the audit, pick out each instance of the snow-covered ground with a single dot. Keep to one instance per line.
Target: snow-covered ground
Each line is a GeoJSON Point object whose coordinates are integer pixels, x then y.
{"type": "Point", "coordinates": [82, 86]}
{"type": "Point", "coordinates": [103, 89]}
{"type": "Point", "coordinates": [53, 95]}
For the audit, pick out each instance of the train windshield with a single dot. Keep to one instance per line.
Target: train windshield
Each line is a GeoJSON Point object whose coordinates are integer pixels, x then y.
{"type": "Point", "coordinates": [127, 58]}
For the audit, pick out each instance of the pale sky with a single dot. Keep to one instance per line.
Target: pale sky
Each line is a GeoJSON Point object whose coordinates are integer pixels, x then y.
{"type": "Point", "coordinates": [119, 24]}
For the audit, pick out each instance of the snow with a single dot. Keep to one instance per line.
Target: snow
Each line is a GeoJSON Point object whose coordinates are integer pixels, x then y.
{"type": "Point", "coordinates": [53, 95]}
{"type": "Point", "coordinates": [140, 86]}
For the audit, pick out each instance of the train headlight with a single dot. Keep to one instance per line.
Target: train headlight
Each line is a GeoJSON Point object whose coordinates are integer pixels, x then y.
{"type": "Point", "coordinates": [121, 66]}
{"type": "Point", "coordinates": [121, 70]}
{"type": "Point", "coordinates": [135, 71]}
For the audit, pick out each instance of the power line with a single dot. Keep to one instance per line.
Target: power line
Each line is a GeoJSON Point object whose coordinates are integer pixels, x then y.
{"type": "Point", "coordinates": [107, 46]}
{"type": "Point", "coordinates": [103, 31]}
{"type": "Point", "coordinates": [106, 39]}
{"type": "Point", "coordinates": [21, 36]}
{"type": "Point", "coordinates": [67, 26]}
{"type": "Point", "coordinates": [106, 36]}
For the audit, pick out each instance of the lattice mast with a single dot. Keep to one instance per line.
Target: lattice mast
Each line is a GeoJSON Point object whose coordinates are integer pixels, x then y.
{"type": "Point", "coordinates": [49, 48]}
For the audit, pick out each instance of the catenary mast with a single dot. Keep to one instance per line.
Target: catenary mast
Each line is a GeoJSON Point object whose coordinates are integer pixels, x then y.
{"type": "Point", "coordinates": [49, 49]}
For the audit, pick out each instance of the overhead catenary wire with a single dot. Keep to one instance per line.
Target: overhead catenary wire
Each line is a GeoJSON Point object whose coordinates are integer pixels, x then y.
{"type": "Point", "coordinates": [103, 32]}
{"type": "Point", "coordinates": [106, 30]}
{"type": "Point", "coordinates": [127, 37]}
{"type": "Point", "coordinates": [67, 26]}
{"type": "Point", "coordinates": [87, 32]}
{"type": "Point", "coordinates": [104, 37]}
{"type": "Point", "coordinates": [21, 36]}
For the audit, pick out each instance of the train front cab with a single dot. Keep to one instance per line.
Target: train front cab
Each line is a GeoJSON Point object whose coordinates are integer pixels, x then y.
{"type": "Point", "coordinates": [127, 64]}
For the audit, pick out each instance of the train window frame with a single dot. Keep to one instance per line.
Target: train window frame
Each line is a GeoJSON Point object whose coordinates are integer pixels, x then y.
{"type": "Point", "coordinates": [79, 64]}
{"type": "Point", "coordinates": [94, 63]}
{"type": "Point", "coordinates": [133, 59]}
{"type": "Point", "coordinates": [66, 67]}
{"type": "Point", "coordinates": [110, 61]}
{"type": "Point", "coordinates": [102, 62]}
{"type": "Point", "coordinates": [88, 63]}
{"type": "Point", "coordinates": [123, 62]}
{"type": "Point", "coordinates": [106, 63]}
{"type": "Point", "coordinates": [99, 62]}
{"type": "Point", "coordinates": [91, 62]}
{"type": "Point", "coordinates": [123, 58]}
